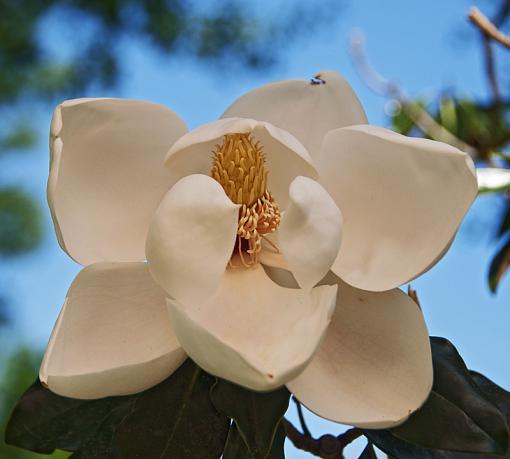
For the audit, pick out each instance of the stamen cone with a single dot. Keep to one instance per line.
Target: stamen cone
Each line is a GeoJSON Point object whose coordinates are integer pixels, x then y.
{"type": "Point", "coordinates": [239, 167]}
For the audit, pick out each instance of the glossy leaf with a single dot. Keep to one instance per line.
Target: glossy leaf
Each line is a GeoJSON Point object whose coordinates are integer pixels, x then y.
{"type": "Point", "coordinates": [236, 448]}
{"type": "Point", "coordinates": [457, 417]}
{"type": "Point", "coordinates": [175, 419]}
{"type": "Point", "coordinates": [496, 394]}
{"type": "Point", "coordinates": [499, 265]}
{"type": "Point", "coordinates": [368, 452]}
{"type": "Point", "coordinates": [43, 421]}
{"type": "Point", "coordinates": [257, 415]}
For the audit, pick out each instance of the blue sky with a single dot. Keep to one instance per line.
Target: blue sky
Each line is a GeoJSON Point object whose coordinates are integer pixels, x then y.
{"type": "Point", "coordinates": [425, 46]}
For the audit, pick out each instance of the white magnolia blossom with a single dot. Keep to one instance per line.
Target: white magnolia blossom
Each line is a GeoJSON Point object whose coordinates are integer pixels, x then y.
{"type": "Point", "coordinates": [189, 240]}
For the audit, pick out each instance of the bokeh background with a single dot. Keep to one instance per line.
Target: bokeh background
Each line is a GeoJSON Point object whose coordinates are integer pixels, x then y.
{"type": "Point", "coordinates": [196, 58]}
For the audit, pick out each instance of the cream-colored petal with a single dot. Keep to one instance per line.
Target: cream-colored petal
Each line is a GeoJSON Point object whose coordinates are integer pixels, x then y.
{"type": "Point", "coordinates": [306, 110]}
{"type": "Point", "coordinates": [286, 157]}
{"type": "Point", "coordinates": [253, 332]}
{"type": "Point", "coordinates": [310, 231]}
{"type": "Point", "coordinates": [374, 367]}
{"type": "Point", "coordinates": [113, 335]}
{"type": "Point", "coordinates": [191, 238]}
{"type": "Point", "coordinates": [107, 175]}
{"type": "Point", "coordinates": [402, 200]}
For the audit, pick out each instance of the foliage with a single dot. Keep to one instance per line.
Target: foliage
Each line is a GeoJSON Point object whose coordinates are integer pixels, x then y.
{"type": "Point", "coordinates": [175, 419]}
{"type": "Point", "coordinates": [18, 373]}
{"type": "Point", "coordinates": [193, 414]}
{"type": "Point", "coordinates": [87, 33]}
{"type": "Point", "coordinates": [483, 126]}
{"type": "Point", "coordinates": [461, 414]}
{"type": "Point", "coordinates": [19, 222]}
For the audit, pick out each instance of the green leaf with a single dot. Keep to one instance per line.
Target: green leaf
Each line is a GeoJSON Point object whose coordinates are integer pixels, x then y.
{"type": "Point", "coordinates": [448, 114]}
{"type": "Point", "coordinates": [257, 415]}
{"type": "Point", "coordinates": [236, 448]}
{"type": "Point", "coordinates": [20, 223]}
{"type": "Point", "coordinates": [174, 420]}
{"type": "Point", "coordinates": [401, 122]}
{"type": "Point", "coordinates": [499, 265]}
{"type": "Point", "coordinates": [457, 417]}
{"type": "Point", "coordinates": [368, 452]}
{"type": "Point", "coordinates": [43, 421]}
{"type": "Point", "coordinates": [19, 137]}
{"type": "Point", "coordinates": [496, 394]}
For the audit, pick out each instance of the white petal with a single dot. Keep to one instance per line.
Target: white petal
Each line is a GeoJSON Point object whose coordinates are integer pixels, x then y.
{"type": "Point", "coordinates": [310, 231]}
{"type": "Point", "coordinates": [286, 157]}
{"type": "Point", "coordinates": [106, 175]}
{"type": "Point", "coordinates": [308, 111]}
{"type": "Point", "coordinates": [402, 200]}
{"type": "Point", "coordinates": [374, 367]}
{"type": "Point", "coordinates": [113, 335]}
{"type": "Point", "coordinates": [191, 238]}
{"type": "Point", "coordinates": [493, 179]}
{"type": "Point", "coordinates": [253, 332]}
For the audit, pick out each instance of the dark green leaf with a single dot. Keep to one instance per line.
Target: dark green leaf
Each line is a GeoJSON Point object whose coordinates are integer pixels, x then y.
{"type": "Point", "coordinates": [43, 421]}
{"type": "Point", "coordinates": [236, 448]}
{"type": "Point", "coordinates": [174, 420]}
{"type": "Point", "coordinates": [504, 223]}
{"type": "Point", "coordinates": [457, 417]}
{"type": "Point", "coordinates": [496, 394]}
{"type": "Point", "coordinates": [257, 415]}
{"type": "Point", "coordinates": [100, 445]}
{"type": "Point", "coordinates": [499, 265]}
{"type": "Point", "coordinates": [368, 452]}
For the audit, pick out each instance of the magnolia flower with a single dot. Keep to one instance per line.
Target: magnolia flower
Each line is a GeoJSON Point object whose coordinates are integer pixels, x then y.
{"type": "Point", "coordinates": [268, 246]}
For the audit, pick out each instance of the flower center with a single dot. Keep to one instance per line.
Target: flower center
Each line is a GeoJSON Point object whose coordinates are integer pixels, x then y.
{"type": "Point", "coordinates": [239, 167]}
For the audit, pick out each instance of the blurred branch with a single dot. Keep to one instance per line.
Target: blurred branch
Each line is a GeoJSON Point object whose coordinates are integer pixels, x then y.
{"type": "Point", "coordinates": [327, 446]}
{"type": "Point", "coordinates": [387, 88]}
{"type": "Point", "coordinates": [487, 27]}
{"type": "Point", "coordinates": [413, 295]}
{"type": "Point", "coordinates": [490, 68]}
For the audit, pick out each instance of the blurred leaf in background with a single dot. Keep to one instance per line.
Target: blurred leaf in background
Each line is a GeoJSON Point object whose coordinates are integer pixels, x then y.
{"type": "Point", "coordinates": [481, 125]}
{"type": "Point", "coordinates": [40, 61]}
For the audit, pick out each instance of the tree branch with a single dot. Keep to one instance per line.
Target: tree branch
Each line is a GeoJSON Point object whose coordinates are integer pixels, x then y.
{"type": "Point", "coordinates": [487, 27]}
{"type": "Point", "coordinates": [490, 68]}
{"type": "Point", "coordinates": [301, 416]}
{"type": "Point", "coordinates": [421, 118]}
{"type": "Point", "coordinates": [327, 446]}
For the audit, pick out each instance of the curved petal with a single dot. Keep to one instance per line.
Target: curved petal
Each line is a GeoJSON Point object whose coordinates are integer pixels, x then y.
{"type": "Point", "coordinates": [191, 238]}
{"type": "Point", "coordinates": [310, 231]}
{"type": "Point", "coordinates": [106, 175]}
{"type": "Point", "coordinates": [402, 200]}
{"type": "Point", "coordinates": [307, 110]}
{"type": "Point", "coordinates": [113, 335]}
{"type": "Point", "coordinates": [253, 332]}
{"type": "Point", "coordinates": [286, 157]}
{"type": "Point", "coordinates": [374, 367]}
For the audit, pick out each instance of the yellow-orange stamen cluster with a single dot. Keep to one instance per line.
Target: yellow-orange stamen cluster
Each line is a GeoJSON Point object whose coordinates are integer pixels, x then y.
{"type": "Point", "coordinates": [239, 167]}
